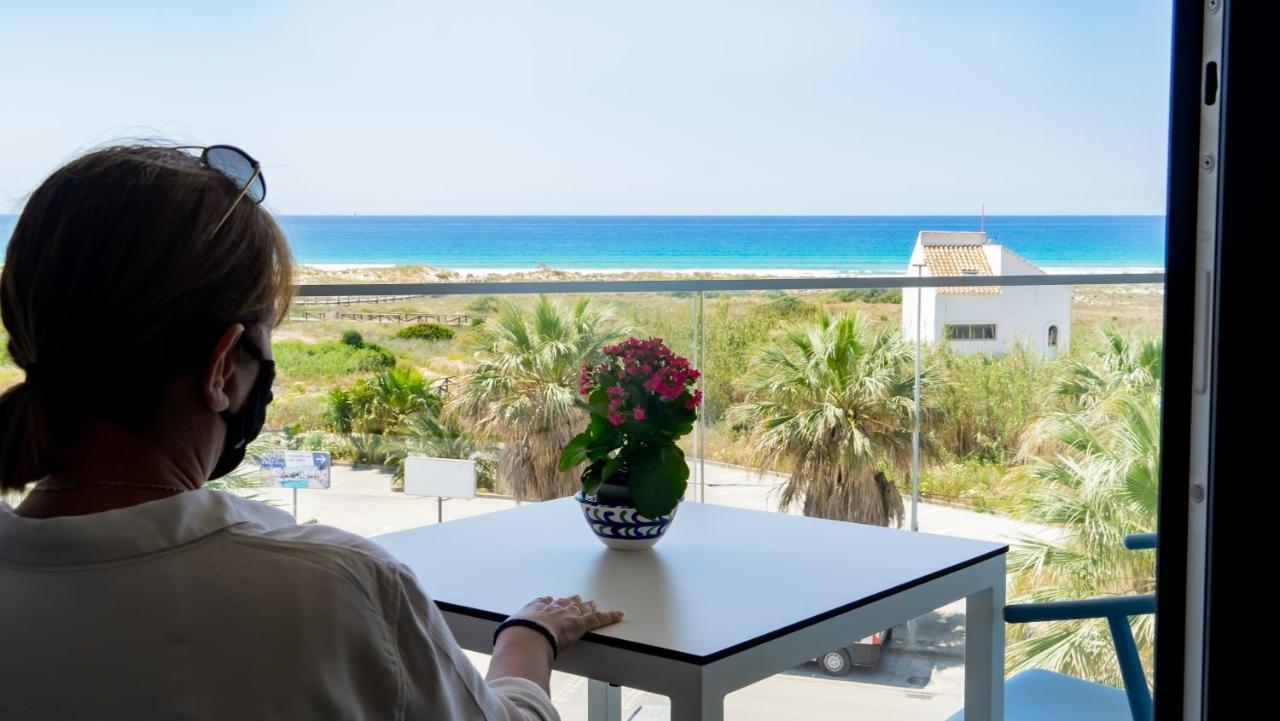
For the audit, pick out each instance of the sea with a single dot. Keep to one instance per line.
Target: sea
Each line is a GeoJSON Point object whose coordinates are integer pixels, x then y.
{"type": "Point", "coordinates": [777, 245]}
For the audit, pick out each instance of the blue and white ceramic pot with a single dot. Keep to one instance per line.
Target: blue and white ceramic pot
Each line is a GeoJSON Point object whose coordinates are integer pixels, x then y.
{"type": "Point", "coordinates": [622, 527]}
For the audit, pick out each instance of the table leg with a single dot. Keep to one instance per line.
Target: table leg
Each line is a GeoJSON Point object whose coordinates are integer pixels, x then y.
{"type": "Point", "coordinates": [697, 705]}
{"type": "Point", "coordinates": [984, 653]}
{"type": "Point", "coordinates": [604, 701]}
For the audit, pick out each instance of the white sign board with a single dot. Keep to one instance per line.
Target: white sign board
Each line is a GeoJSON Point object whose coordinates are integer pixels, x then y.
{"type": "Point", "coordinates": [440, 477]}
{"type": "Point", "coordinates": [296, 469]}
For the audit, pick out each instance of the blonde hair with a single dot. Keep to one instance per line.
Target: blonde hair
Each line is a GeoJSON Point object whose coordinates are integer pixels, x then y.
{"type": "Point", "coordinates": [113, 285]}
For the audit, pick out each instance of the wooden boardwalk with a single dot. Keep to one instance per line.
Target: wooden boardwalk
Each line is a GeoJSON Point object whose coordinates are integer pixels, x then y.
{"type": "Point", "coordinates": [456, 319]}
{"type": "Point", "coordinates": [349, 300]}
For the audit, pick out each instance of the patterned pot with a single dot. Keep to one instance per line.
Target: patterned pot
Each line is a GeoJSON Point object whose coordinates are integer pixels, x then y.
{"type": "Point", "coordinates": [622, 527]}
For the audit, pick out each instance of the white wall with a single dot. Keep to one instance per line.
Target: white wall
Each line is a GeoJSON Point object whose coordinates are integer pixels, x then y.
{"type": "Point", "coordinates": [1022, 314]}
{"type": "Point", "coordinates": [928, 304]}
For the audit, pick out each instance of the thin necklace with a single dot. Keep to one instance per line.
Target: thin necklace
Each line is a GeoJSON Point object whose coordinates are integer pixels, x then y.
{"type": "Point", "coordinates": [111, 484]}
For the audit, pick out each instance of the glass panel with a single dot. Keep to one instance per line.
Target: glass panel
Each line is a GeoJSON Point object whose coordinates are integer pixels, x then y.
{"type": "Point", "coordinates": [995, 436]}
{"type": "Point", "coordinates": [374, 380]}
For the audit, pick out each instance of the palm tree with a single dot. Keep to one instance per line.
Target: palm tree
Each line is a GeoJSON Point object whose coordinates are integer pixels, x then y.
{"type": "Point", "coordinates": [831, 402]}
{"type": "Point", "coordinates": [1120, 365]}
{"type": "Point", "coordinates": [382, 404]}
{"type": "Point", "coordinates": [392, 397]}
{"type": "Point", "coordinates": [377, 414]}
{"type": "Point", "coordinates": [523, 391]}
{"type": "Point", "coordinates": [1098, 467]}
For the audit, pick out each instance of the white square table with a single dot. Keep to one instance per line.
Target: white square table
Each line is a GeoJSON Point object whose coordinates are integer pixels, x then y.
{"type": "Point", "coordinates": [727, 598]}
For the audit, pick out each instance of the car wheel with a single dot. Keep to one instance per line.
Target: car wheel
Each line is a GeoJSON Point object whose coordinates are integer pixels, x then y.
{"type": "Point", "coordinates": [835, 663]}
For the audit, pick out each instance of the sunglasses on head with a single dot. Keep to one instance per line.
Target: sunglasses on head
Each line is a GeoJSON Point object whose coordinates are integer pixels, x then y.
{"type": "Point", "coordinates": [240, 168]}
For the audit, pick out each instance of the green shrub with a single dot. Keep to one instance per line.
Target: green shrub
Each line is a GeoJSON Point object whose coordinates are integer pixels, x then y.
{"type": "Point", "coordinates": [978, 484]}
{"type": "Point", "coordinates": [330, 359]}
{"type": "Point", "coordinates": [981, 404]}
{"type": "Point", "coordinates": [426, 331]}
{"type": "Point", "coordinates": [372, 449]}
{"type": "Point", "coordinates": [383, 404]}
{"type": "Point", "coordinates": [784, 305]}
{"type": "Point", "coordinates": [352, 338]}
{"type": "Point", "coordinates": [483, 304]}
{"type": "Point", "coordinates": [868, 295]}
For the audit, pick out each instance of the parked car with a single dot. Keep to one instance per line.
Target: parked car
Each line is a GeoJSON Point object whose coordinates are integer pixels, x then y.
{"type": "Point", "coordinates": [866, 653]}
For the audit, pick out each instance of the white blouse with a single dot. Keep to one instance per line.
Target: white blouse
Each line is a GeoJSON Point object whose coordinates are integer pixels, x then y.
{"type": "Point", "coordinates": [210, 606]}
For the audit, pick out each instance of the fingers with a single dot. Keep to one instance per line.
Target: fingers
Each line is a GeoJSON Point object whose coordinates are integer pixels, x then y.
{"type": "Point", "coordinates": [600, 619]}
{"type": "Point", "coordinates": [569, 617]}
{"type": "Point", "coordinates": [537, 604]}
{"type": "Point", "coordinates": [573, 604]}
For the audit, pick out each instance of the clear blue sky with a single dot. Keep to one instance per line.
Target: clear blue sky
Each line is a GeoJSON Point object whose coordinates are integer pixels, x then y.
{"type": "Point", "coordinates": [613, 106]}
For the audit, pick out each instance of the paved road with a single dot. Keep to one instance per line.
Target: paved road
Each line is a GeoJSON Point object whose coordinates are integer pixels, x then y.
{"type": "Point", "coordinates": [922, 676]}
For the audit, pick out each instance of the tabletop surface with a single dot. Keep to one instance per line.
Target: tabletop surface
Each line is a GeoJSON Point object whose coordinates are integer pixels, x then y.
{"type": "Point", "coordinates": [722, 579]}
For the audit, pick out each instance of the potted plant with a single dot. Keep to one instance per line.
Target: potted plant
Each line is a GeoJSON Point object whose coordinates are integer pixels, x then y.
{"type": "Point", "coordinates": [641, 401]}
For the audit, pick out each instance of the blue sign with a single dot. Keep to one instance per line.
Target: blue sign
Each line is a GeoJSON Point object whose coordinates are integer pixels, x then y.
{"type": "Point", "coordinates": [296, 469]}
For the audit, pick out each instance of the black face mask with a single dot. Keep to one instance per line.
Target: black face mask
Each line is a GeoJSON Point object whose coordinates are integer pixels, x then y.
{"type": "Point", "coordinates": [245, 426]}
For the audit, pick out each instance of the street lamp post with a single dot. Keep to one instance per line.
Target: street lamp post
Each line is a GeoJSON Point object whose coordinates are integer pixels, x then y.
{"type": "Point", "coordinates": [915, 430]}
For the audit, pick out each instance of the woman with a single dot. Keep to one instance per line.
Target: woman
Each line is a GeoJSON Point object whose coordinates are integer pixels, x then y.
{"type": "Point", "coordinates": [139, 291]}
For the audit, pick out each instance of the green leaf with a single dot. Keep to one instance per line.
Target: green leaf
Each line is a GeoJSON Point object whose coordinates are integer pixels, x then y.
{"type": "Point", "coordinates": [592, 478]}
{"type": "Point", "coordinates": [598, 399]}
{"type": "Point", "coordinates": [658, 477]}
{"type": "Point", "coordinates": [575, 451]}
{"type": "Point", "coordinates": [604, 439]}
{"type": "Point", "coordinates": [679, 429]}
{"type": "Point", "coordinates": [610, 467]}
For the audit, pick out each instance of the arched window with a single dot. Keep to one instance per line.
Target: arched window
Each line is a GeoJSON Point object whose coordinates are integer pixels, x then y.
{"type": "Point", "coordinates": [1053, 336]}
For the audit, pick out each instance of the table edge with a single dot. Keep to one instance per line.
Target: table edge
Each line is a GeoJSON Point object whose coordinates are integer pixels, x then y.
{"type": "Point", "coordinates": [763, 638]}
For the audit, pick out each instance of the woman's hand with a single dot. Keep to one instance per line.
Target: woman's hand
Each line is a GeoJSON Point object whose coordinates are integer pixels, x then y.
{"type": "Point", "coordinates": [568, 619]}
{"type": "Point", "coordinates": [525, 653]}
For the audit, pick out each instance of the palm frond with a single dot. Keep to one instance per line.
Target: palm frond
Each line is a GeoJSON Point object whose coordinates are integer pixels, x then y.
{"type": "Point", "coordinates": [522, 392]}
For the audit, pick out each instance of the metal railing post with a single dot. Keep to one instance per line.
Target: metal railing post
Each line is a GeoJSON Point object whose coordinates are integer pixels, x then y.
{"type": "Point", "coordinates": [915, 424]}
{"type": "Point", "coordinates": [701, 452]}
{"type": "Point", "coordinates": [695, 473]}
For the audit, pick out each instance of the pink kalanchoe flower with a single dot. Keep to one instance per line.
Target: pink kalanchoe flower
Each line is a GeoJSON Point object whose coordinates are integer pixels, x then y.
{"type": "Point", "coordinates": [616, 390]}
{"type": "Point", "coordinates": [638, 414]}
{"type": "Point", "coordinates": [615, 418]}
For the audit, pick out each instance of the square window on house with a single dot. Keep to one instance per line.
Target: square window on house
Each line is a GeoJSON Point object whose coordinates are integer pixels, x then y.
{"type": "Point", "coordinates": [969, 331]}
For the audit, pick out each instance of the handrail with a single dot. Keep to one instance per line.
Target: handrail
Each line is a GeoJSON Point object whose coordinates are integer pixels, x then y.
{"type": "Point", "coordinates": [723, 284]}
{"type": "Point", "coordinates": [1140, 541]}
{"type": "Point", "coordinates": [1116, 610]}
{"type": "Point", "coordinates": [1075, 610]}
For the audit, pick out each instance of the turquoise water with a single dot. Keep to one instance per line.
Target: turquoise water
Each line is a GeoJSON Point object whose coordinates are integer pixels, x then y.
{"type": "Point", "coordinates": [807, 244]}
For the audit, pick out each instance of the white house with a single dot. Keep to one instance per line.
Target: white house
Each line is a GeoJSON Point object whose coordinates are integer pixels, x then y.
{"type": "Point", "coordinates": [983, 319]}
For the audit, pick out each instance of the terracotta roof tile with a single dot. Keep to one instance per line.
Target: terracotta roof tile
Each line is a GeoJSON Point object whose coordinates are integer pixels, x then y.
{"type": "Point", "coordinates": [949, 261]}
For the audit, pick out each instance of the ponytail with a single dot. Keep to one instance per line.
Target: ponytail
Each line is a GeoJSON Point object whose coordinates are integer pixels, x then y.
{"type": "Point", "coordinates": [26, 446]}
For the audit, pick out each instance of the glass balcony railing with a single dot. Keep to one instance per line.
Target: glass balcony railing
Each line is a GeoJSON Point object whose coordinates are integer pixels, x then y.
{"type": "Point", "coordinates": [1025, 411]}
